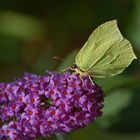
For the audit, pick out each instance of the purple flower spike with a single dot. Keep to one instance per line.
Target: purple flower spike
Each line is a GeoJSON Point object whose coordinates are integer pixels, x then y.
{"type": "Point", "coordinates": [35, 106]}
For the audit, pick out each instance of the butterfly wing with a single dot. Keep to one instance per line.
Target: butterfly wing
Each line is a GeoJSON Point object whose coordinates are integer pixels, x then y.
{"type": "Point", "coordinates": [106, 53]}
{"type": "Point", "coordinates": [114, 61]}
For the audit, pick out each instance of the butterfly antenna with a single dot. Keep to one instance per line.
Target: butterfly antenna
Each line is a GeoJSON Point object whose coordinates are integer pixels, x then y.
{"type": "Point", "coordinates": [60, 59]}
{"type": "Point", "coordinates": [57, 58]}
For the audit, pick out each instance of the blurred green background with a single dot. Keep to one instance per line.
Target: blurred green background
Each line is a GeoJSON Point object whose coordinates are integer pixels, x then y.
{"type": "Point", "coordinates": [33, 32]}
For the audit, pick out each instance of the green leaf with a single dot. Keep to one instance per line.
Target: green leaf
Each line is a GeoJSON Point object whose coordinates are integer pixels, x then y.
{"type": "Point", "coordinates": [93, 133]}
{"type": "Point", "coordinates": [109, 84]}
{"type": "Point", "coordinates": [114, 103]}
{"type": "Point", "coordinates": [20, 26]}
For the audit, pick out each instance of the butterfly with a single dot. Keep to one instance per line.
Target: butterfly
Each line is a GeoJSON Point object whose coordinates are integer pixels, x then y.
{"type": "Point", "coordinates": [106, 53]}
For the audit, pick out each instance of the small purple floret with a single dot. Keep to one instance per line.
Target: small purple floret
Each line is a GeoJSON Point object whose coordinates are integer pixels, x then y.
{"type": "Point", "coordinates": [35, 106]}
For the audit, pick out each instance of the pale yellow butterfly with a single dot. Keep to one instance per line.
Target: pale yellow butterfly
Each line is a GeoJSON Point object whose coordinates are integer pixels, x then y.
{"type": "Point", "coordinates": [105, 54]}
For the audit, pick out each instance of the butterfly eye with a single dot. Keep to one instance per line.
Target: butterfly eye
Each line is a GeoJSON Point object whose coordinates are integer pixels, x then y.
{"type": "Point", "coordinates": [74, 66]}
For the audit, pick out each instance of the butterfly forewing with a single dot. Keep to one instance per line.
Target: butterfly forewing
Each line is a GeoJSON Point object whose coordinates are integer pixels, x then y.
{"type": "Point", "coordinates": [99, 41]}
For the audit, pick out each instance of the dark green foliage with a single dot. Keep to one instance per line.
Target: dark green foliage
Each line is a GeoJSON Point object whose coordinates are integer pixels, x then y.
{"type": "Point", "coordinates": [33, 32]}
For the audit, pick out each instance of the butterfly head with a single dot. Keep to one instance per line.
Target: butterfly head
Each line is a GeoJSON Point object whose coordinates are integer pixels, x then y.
{"type": "Point", "coordinates": [74, 67]}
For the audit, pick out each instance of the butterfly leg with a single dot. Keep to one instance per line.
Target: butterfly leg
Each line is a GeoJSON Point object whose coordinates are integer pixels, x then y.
{"type": "Point", "coordinates": [80, 76]}
{"type": "Point", "coordinates": [88, 77]}
{"type": "Point", "coordinates": [91, 80]}
{"type": "Point", "coordinates": [81, 80]}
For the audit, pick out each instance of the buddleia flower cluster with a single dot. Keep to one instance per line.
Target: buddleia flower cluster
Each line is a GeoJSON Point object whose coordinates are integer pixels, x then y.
{"type": "Point", "coordinates": [35, 106]}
